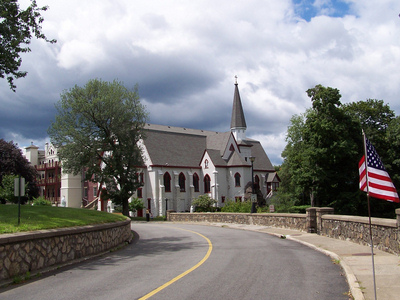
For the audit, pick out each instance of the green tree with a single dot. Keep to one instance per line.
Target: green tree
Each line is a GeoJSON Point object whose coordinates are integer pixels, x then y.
{"type": "Point", "coordinates": [374, 117]}
{"type": "Point", "coordinates": [335, 142]}
{"type": "Point", "coordinates": [320, 159]}
{"type": "Point", "coordinates": [204, 203]}
{"type": "Point", "coordinates": [393, 154]}
{"type": "Point", "coordinates": [295, 173]}
{"type": "Point", "coordinates": [16, 30]}
{"type": "Point", "coordinates": [12, 162]}
{"type": "Point", "coordinates": [135, 205]}
{"type": "Point", "coordinates": [381, 127]}
{"type": "Point", "coordinates": [97, 128]}
{"type": "Point", "coordinates": [7, 188]}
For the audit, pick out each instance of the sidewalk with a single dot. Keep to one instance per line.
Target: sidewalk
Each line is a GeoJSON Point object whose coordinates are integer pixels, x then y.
{"type": "Point", "coordinates": [355, 260]}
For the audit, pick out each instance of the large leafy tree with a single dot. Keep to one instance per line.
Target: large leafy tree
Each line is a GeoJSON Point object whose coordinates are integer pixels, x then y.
{"type": "Point", "coordinates": [320, 159]}
{"type": "Point", "coordinates": [381, 127]}
{"type": "Point", "coordinates": [12, 162]}
{"type": "Point", "coordinates": [17, 27]}
{"type": "Point", "coordinates": [374, 117]}
{"type": "Point", "coordinates": [97, 128]}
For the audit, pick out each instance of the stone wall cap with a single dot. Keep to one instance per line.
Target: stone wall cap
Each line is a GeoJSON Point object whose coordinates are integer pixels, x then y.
{"type": "Point", "coordinates": [364, 220]}
{"type": "Point", "coordinates": [8, 238]}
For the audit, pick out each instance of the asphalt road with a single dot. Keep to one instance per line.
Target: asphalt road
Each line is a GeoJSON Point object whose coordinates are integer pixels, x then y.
{"type": "Point", "coordinates": [177, 261]}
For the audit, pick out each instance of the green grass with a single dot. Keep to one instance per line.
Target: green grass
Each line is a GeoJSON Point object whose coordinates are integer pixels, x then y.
{"type": "Point", "coordinates": [48, 217]}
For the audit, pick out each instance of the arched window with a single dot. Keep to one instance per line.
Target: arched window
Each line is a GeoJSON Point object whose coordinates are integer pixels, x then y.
{"type": "Point", "coordinates": [257, 183]}
{"type": "Point", "coordinates": [196, 182]}
{"type": "Point", "coordinates": [182, 181]}
{"type": "Point", "coordinates": [167, 182]}
{"type": "Point", "coordinates": [237, 179]}
{"type": "Point", "coordinates": [207, 184]}
{"type": "Point", "coordinates": [206, 164]}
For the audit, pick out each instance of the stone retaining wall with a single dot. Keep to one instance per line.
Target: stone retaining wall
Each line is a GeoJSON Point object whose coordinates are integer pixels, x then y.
{"type": "Point", "coordinates": [290, 221]}
{"type": "Point", "coordinates": [384, 231]}
{"type": "Point", "coordinates": [31, 251]}
{"type": "Point", "coordinates": [319, 220]}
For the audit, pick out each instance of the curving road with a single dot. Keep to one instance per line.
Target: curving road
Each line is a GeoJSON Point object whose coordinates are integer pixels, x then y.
{"type": "Point", "coordinates": [182, 261]}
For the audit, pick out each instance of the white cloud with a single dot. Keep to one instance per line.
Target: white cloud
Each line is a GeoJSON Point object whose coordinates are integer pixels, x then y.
{"type": "Point", "coordinates": [185, 54]}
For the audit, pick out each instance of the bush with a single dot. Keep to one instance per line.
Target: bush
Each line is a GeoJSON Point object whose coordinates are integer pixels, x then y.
{"type": "Point", "coordinates": [238, 207]}
{"type": "Point", "coordinates": [41, 201]}
{"type": "Point", "coordinates": [135, 205]}
{"type": "Point", "coordinates": [298, 209]}
{"type": "Point", "coordinates": [204, 204]}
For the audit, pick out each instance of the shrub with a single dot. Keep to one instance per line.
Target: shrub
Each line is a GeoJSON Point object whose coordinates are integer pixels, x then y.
{"type": "Point", "coordinates": [41, 201]}
{"type": "Point", "coordinates": [298, 209]}
{"type": "Point", "coordinates": [238, 207]}
{"type": "Point", "coordinates": [204, 203]}
{"type": "Point", "coordinates": [135, 205]}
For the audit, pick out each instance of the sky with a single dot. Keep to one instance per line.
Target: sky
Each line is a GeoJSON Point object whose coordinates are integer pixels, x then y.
{"type": "Point", "coordinates": [184, 56]}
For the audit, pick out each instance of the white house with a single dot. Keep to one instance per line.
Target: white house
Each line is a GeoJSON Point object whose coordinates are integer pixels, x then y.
{"type": "Point", "coordinates": [183, 163]}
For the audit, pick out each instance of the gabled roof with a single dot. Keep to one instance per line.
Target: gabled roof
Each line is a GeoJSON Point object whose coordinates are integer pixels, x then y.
{"type": "Point", "coordinates": [183, 147]}
{"type": "Point", "coordinates": [273, 177]}
{"type": "Point", "coordinates": [262, 161]}
{"type": "Point", "coordinates": [171, 148]}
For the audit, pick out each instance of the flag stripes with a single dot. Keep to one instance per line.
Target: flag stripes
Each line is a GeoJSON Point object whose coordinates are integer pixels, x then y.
{"type": "Point", "coordinates": [378, 180]}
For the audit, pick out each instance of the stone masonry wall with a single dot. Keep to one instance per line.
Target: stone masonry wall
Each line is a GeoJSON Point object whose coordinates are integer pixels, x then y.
{"type": "Point", "coordinates": [290, 221]}
{"type": "Point", "coordinates": [31, 251]}
{"type": "Point", "coordinates": [384, 231]}
{"type": "Point", "coordinates": [319, 220]}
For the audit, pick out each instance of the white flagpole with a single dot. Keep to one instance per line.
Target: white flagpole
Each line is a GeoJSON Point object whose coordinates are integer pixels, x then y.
{"type": "Point", "coordinates": [369, 212]}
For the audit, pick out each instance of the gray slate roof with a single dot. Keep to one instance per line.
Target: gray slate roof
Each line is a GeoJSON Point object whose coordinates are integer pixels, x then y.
{"type": "Point", "coordinates": [184, 147]}
{"type": "Point", "coordinates": [237, 120]}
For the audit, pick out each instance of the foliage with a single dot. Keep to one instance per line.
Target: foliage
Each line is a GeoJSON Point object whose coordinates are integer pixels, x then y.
{"type": "Point", "coordinates": [322, 153]}
{"type": "Point", "coordinates": [374, 117]}
{"type": "Point", "coordinates": [41, 201]}
{"type": "Point", "coordinates": [300, 209]}
{"type": "Point", "coordinates": [7, 188]}
{"type": "Point", "coordinates": [323, 148]}
{"type": "Point", "coordinates": [97, 128]}
{"type": "Point", "coordinates": [12, 162]}
{"type": "Point", "coordinates": [237, 207]}
{"type": "Point", "coordinates": [17, 27]}
{"type": "Point", "coordinates": [204, 203]}
{"type": "Point", "coordinates": [282, 201]}
{"type": "Point", "coordinates": [135, 205]}
{"type": "Point", "coordinates": [393, 153]}
{"type": "Point", "coordinates": [48, 217]}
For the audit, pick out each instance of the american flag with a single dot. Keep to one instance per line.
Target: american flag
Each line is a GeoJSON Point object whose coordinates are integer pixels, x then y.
{"type": "Point", "coordinates": [379, 183]}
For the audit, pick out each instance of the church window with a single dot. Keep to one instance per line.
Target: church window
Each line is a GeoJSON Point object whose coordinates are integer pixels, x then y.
{"type": "Point", "coordinates": [139, 193]}
{"type": "Point", "coordinates": [237, 179]}
{"type": "Point", "coordinates": [223, 199]}
{"type": "Point", "coordinates": [196, 182]}
{"type": "Point", "coordinates": [257, 183]}
{"type": "Point", "coordinates": [206, 164]}
{"type": "Point", "coordinates": [167, 182]}
{"type": "Point", "coordinates": [207, 184]}
{"type": "Point", "coordinates": [182, 181]}
{"type": "Point", "coordinates": [141, 177]}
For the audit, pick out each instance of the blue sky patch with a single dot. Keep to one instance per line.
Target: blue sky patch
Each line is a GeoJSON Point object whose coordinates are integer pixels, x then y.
{"type": "Point", "coordinates": [308, 9]}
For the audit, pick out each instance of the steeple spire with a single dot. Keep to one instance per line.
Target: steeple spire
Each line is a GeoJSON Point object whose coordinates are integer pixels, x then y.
{"type": "Point", "coordinates": [238, 122]}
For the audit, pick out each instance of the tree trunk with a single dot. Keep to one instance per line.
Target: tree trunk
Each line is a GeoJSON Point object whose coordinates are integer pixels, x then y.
{"type": "Point", "coordinates": [125, 207]}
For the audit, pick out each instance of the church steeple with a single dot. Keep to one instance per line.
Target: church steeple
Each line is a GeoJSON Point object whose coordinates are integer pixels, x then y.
{"type": "Point", "coordinates": [238, 122]}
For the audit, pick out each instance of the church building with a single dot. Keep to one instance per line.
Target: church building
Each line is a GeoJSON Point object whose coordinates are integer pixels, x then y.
{"type": "Point", "coordinates": [181, 164]}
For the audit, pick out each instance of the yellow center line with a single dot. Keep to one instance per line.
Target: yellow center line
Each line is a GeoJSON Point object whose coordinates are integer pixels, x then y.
{"type": "Point", "coordinates": [184, 273]}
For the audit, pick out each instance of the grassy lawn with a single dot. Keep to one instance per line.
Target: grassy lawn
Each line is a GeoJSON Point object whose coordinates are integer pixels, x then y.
{"type": "Point", "coordinates": [48, 217]}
